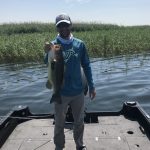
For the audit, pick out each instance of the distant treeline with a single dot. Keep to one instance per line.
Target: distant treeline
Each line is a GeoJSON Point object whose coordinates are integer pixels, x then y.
{"type": "Point", "coordinates": [15, 28]}
{"type": "Point", "coordinates": [24, 42]}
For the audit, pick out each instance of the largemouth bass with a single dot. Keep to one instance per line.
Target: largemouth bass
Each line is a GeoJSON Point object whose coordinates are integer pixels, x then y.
{"type": "Point", "coordinates": [56, 70]}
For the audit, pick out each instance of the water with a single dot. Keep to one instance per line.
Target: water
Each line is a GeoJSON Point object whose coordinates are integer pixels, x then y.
{"type": "Point", "coordinates": [117, 80]}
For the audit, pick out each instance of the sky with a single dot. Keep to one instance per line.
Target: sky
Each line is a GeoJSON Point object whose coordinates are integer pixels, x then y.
{"type": "Point", "coordinates": [120, 12]}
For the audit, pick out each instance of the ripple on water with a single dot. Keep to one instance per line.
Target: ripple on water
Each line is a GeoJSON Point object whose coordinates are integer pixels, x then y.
{"type": "Point", "coordinates": [117, 80]}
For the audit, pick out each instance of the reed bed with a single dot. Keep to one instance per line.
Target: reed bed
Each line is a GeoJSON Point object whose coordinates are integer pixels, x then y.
{"type": "Point", "coordinates": [24, 42]}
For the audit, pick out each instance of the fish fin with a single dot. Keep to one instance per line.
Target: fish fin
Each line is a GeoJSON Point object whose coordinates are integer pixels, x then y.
{"type": "Point", "coordinates": [85, 89]}
{"type": "Point", "coordinates": [48, 85]}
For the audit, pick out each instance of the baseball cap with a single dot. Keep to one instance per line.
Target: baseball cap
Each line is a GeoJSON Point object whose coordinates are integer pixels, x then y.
{"type": "Point", "coordinates": [63, 18]}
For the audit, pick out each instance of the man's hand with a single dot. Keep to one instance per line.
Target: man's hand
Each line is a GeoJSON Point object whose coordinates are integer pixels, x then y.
{"type": "Point", "coordinates": [92, 94]}
{"type": "Point", "coordinates": [47, 47]}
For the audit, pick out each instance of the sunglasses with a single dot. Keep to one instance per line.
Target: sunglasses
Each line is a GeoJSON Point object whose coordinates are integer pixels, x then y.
{"type": "Point", "coordinates": [63, 25]}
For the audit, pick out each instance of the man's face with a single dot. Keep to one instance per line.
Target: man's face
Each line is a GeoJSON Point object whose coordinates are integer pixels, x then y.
{"type": "Point", "coordinates": [64, 30]}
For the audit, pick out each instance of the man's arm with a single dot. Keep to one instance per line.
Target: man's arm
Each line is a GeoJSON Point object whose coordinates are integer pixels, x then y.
{"type": "Point", "coordinates": [85, 62]}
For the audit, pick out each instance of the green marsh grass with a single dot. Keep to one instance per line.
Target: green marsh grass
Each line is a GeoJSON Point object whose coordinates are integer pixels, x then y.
{"type": "Point", "coordinates": [25, 42]}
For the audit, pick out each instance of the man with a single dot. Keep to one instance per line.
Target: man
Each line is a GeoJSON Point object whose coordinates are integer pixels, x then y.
{"type": "Point", "coordinates": [74, 55]}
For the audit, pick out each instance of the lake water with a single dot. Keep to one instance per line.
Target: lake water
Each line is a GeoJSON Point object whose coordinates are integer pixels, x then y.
{"type": "Point", "coordinates": [116, 79]}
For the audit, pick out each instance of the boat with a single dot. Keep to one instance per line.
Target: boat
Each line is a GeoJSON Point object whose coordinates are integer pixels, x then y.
{"type": "Point", "coordinates": [126, 129]}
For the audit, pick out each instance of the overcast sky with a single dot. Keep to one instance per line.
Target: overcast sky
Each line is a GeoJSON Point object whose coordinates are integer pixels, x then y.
{"type": "Point", "coordinates": [120, 12]}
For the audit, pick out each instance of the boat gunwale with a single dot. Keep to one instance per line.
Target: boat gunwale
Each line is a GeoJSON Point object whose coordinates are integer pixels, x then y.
{"type": "Point", "coordinates": [130, 110]}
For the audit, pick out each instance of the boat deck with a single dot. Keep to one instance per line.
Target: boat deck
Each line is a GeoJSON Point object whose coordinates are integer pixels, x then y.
{"type": "Point", "coordinates": [111, 133]}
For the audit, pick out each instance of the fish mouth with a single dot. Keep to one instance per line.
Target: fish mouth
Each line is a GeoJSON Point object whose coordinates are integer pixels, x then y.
{"type": "Point", "coordinates": [56, 47]}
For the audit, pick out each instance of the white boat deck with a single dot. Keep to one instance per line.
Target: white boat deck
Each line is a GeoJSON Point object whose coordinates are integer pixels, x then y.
{"type": "Point", "coordinates": [111, 133]}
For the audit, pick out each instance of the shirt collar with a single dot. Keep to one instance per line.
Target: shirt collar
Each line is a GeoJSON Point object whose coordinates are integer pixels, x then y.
{"type": "Point", "coordinates": [64, 41]}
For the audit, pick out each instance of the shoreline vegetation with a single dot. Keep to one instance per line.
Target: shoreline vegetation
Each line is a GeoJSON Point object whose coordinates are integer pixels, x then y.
{"type": "Point", "coordinates": [24, 42]}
